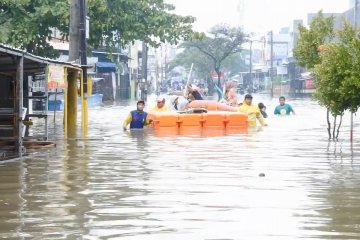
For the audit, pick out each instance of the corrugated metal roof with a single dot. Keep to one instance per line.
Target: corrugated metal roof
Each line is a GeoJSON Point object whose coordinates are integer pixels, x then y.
{"type": "Point", "coordinates": [20, 52]}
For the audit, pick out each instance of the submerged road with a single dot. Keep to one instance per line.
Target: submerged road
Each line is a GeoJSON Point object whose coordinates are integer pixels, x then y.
{"type": "Point", "coordinates": [284, 181]}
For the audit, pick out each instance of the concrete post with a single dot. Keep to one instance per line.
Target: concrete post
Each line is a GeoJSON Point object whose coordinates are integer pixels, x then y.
{"type": "Point", "coordinates": [72, 102]}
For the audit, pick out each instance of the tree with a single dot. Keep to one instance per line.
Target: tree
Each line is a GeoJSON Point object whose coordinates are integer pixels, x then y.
{"type": "Point", "coordinates": [236, 63]}
{"type": "Point", "coordinates": [337, 76]}
{"type": "Point", "coordinates": [307, 54]}
{"type": "Point", "coordinates": [28, 24]}
{"type": "Point", "coordinates": [321, 31]}
{"type": "Point", "coordinates": [329, 76]}
{"type": "Point", "coordinates": [123, 21]}
{"type": "Point", "coordinates": [222, 42]}
{"type": "Point", "coordinates": [202, 64]}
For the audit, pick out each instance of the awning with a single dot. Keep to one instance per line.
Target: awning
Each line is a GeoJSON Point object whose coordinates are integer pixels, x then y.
{"type": "Point", "coordinates": [105, 67]}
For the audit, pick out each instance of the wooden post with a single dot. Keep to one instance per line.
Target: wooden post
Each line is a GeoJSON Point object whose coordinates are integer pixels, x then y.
{"type": "Point", "coordinates": [19, 107]}
{"type": "Point", "coordinates": [47, 103]}
{"type": "Point", "coordinates": [65, 122]}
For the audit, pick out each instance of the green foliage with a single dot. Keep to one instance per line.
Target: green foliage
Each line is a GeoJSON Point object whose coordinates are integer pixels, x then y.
{"type": "Point", "coordinates": [28, 24]}
{"type": "Point", "coordinates": [123, 21]}
{"type": "Point", "coordinates": [321, 30]}
{"type": "Point", "coordinates": [330, 73]}
{"type": "Point", "coordinates": [203, 65]}
{"type": "Point", "coordinates": [222, 42]}
{"type": "Point", "coordinates": [235, 63]}
{"type": "Point", "coordinates": [336, 66]}
{"type": "Point", "coordinates": [338, 73]}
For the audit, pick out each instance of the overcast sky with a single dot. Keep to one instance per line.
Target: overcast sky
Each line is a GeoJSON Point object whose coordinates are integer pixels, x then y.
{"type": "Point", "coordinates": [259, 15]}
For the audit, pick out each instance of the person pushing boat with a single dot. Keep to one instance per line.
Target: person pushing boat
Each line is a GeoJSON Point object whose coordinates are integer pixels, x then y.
{"type": "Point", "coordinates": [137, 118]}
{"type": "Point", "coordinates": [160, 105]}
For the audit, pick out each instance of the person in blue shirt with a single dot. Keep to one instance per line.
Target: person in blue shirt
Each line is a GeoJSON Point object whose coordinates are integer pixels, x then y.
{"type": "Point", "coordinates": [137, 118]}
{"type": "Point", "coordinates": [283, 108]}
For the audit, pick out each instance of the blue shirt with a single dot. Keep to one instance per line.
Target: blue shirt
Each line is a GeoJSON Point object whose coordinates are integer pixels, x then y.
{"type": "Point", "coordinates": [138, 119]}
{"type": "Point", "coordinates": [286, 109]}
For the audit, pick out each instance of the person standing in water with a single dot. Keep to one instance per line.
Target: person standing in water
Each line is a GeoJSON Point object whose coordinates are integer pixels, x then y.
{"type": "Point", "coordinates": [137, 118]}
{"type": "Point", "coordinates": [192, 93]}
{"type": "Point", "coordinates": [252, 111]}
{"type": "Point", "coordinates": [283, 108]}
{"type": "Point", "coordinates": [262, 108]}
{"type": "Point", "coordinates": [230, 94]}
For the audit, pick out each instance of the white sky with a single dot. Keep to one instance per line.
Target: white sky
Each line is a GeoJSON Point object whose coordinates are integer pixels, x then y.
{"type": "Point", "coordinates": [259, 15]}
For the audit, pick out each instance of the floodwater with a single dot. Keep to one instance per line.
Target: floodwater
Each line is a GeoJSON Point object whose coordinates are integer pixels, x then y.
{"type": "Point", "coordinates": [139, 185]}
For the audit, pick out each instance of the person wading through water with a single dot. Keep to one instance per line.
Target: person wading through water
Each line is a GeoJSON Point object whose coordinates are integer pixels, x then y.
{"type": "Point", "coordinates": [137, 118]}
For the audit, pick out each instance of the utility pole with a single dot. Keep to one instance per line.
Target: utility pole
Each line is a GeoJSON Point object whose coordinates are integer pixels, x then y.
{"type": "Point", "coordinates": [77, 45]}
{"type": "Point", "coordinates": [77, 53]}
{"type": "Point", "coordinates": [144, 57]}
{"type": "Point", "coordinates": [83, 45]}
{"type": "Point", "coordinates": [165, 63]}
{"type": "Point", "coordinates": [74, 43]}
{"type": "Point", "coordinates": [71, 91]}
{"type": "Point", "coordinates": [251, 80]}
{"type": "Point", "coordinates": [271, 63]}
{"type": "Point", "coordinates": [161, 64]}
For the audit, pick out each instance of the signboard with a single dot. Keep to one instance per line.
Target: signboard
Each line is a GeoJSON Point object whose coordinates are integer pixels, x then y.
{"type": "Point", "coordinates": [309, 84]}
{"type": "Point", "coordinates": [56, 77]}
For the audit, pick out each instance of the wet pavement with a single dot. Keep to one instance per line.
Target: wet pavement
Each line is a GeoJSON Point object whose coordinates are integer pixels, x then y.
{"type": "Point", "coordinates": [284, 181]}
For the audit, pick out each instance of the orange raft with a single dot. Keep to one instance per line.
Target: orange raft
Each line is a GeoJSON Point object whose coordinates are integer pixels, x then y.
{"type": "Point", "coordinates": [211, 105]}
{"type": "Point", "coordinates": [209, 120]}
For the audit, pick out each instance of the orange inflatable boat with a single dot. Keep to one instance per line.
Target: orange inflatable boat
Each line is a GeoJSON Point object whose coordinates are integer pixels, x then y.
{"type": "Point", "coordinates": [211, 105]}
{"type": "Point", "coordinates": [213, 119]}
{"type": "Point", "coordinates": [206, 120]}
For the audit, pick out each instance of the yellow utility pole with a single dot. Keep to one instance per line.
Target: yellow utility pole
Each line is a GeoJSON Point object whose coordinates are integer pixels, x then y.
{"type": "Point", "coordinates": [72, 94]}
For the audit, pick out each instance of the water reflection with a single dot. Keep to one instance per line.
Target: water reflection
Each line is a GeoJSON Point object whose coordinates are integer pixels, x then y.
{"type": "Point", "coordinates": [340, 196]}
{"type": "Point", "coordinates": [12, 203]}
{"type": "Point", "coordinates": [202, 185]}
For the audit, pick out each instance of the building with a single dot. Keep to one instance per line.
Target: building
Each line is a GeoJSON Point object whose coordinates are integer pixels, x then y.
{"type": "Point", "coordinates": [24, 98]}
{"type": "Point", "coordinates": [112, 68]}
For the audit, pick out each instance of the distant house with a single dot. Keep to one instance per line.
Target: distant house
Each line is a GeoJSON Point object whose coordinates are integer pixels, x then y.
{"type": "Point", "coordinates": [113, 68]}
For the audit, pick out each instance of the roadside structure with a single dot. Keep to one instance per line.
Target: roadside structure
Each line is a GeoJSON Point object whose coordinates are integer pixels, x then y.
{"type": "Point", "coordinates": [24, 98]}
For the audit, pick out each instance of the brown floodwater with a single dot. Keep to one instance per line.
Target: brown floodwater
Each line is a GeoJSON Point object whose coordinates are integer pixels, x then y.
{"type": "Point", "coordinates": [140, 185]}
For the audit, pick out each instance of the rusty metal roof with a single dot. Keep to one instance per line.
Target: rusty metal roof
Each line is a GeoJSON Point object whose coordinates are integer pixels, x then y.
{"type": "Point", "coordinates": [7, 60]}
